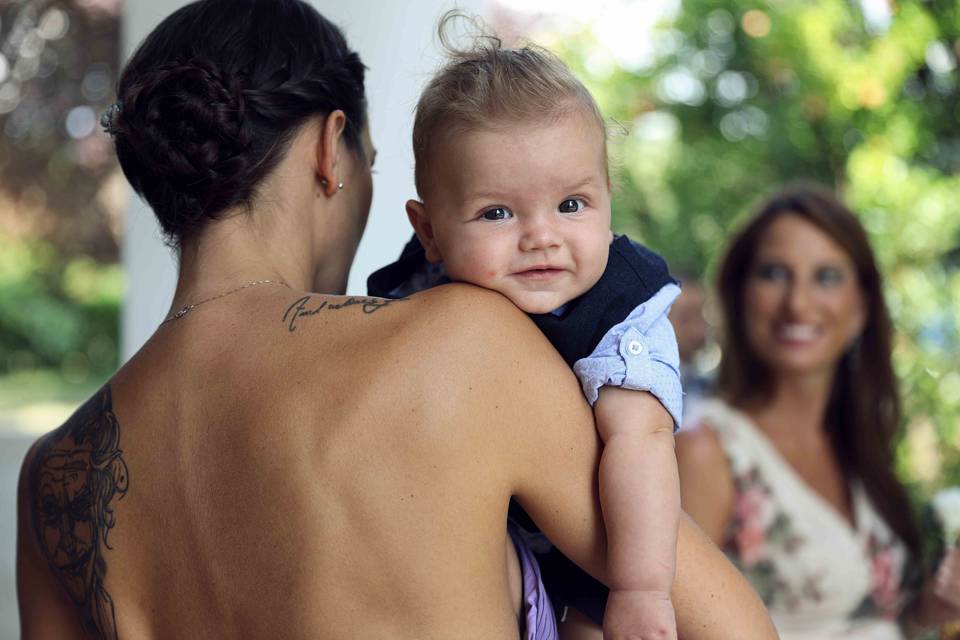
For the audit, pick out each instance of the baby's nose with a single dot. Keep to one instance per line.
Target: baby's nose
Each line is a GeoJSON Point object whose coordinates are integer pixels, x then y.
{"type": "Point", "coordinates": [540, 233]}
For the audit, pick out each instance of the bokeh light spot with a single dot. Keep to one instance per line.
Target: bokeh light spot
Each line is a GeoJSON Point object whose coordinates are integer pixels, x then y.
{"type": "Point", "coordinates": [54, 24]}
{"type": "Point", "coordinates": [720, 22]}
{"type": "Point", "coordinates": [872, 94]}
{"type": "Point", "coordinates": [756, 23]}
{"type": "Point", "coordinates": [81, 121]}
{"type": "Point", "coordinates": [656, 126]}
{"type": "Point", "coordinates": [681, 86]}
{"type": "Point", "coordinates": [96, 85]}
{"type": "Point", "coordinates": [939, 58]}
{"type": "Point", "coordinates": [733, 126]}
{"type": "Point", "coordinates": [32, 45]}
{"type": "Point", "coordinates": [732, 88]}
{"type": "Point", "coordinates": [9, 97]}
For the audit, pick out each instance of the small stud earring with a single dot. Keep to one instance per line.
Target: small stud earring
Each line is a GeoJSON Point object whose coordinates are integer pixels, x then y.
{"type": "Point", "coordinates": [339, 185]}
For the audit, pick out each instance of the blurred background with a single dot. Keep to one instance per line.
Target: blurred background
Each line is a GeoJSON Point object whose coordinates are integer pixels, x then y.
{"type": "Point", "coordinates": [712, 102]}
{"type": "Point", "coordinates": [62, 203]}
{"type": "Point", "coordinates": [720, 100]}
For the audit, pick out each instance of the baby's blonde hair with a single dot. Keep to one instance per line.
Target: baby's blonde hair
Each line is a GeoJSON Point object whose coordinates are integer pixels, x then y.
{"type": "Point", "coordinates": [489, 84]}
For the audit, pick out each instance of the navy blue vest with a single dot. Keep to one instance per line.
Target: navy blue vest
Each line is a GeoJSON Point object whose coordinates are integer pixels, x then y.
{"type": "Point", "coordinates": [634, 274]}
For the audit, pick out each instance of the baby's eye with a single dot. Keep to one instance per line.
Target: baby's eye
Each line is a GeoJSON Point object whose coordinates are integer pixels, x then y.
{"type": "Point", "coordinates": [571, 205]}
{"type": "Point", "coordinates": [497, 213]}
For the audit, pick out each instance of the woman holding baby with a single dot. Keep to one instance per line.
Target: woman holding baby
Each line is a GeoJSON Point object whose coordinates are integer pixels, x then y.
{"type": "Point", "coordinates": [282, 461]}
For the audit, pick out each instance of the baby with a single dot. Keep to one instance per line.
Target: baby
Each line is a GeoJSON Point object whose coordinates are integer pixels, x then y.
{"type": "Point", "coordinates": [511, 170]}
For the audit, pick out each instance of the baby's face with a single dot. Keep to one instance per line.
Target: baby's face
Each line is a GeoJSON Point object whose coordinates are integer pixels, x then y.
{"type": "Point", "coordinates": [521, 209]}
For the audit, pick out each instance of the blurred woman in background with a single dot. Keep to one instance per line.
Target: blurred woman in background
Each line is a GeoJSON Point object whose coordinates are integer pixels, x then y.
{"type": "Point", "coordinates": [791, 470]}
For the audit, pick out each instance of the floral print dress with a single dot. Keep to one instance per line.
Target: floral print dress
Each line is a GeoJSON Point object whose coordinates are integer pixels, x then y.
{"type": "Point", "coordinates": [820, 578]}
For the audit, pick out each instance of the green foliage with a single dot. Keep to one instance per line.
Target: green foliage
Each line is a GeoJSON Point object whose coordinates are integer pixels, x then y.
{"type": "Point", "coordinates": [57, 312]}
{"type": "Point", "coordinates": [747, 95]}
{"type": "Point", "coordinates": [45, 387]}
{"type": "Point", "coordinates": [60, 199]}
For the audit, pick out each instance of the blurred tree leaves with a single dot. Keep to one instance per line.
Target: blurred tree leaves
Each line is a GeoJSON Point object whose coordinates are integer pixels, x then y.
{"type": "Point", "coordinates": [57, 311]}
{"type": "Point", "coordinates": [58, 67]}
{"type": "Point", "coordinates": [863, 97]}
{"type": "Point", "coordinates": [61, 193]}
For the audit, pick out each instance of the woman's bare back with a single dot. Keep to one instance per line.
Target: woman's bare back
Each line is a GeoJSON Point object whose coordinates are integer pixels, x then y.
{"type": "Point", "coordinates": [250, 475]}
{"type": "Point", "coordinates": [346, 475]}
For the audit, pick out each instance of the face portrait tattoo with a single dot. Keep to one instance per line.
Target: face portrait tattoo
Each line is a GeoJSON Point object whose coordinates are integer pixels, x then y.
{"type": "Point", "coordinates": [76, 475]}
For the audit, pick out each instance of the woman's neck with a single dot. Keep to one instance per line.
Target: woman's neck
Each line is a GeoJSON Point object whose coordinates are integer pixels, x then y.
{"type": "Point", "coordinates": [228, 254]}
{"type": "Point", "coordinates": [250, 246]}
{"type": "Point", "coordinates": [278, 238]}
{"type": "Point", "coordinates": [797, 404]}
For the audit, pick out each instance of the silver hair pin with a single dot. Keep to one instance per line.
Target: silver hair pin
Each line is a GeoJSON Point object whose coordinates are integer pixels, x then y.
{"type": "Point", "coordinates": [109, 118]}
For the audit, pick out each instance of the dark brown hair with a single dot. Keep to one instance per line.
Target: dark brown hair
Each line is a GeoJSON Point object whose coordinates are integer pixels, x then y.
{"type": "Point", "coordinates": [212, 98]}
{"type": "Point", "coordinates": [863, 413]}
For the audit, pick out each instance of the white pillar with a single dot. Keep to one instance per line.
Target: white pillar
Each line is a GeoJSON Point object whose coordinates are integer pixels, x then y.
{"type": "Point", "coordinates": [396, 42]}
{"type": "Point", "coordinates": [150, 267]}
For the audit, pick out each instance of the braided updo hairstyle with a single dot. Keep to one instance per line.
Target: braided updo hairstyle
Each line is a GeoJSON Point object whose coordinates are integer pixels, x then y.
{"type": "Point", "coordinates": [210, 101]}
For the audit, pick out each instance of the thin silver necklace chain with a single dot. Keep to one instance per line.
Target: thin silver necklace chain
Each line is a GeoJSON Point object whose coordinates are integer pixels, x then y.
{"type": "Point", "coordinates": [184, 310]}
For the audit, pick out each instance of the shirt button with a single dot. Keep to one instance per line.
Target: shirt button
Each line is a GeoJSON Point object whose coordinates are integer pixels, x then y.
{"type": "Point", "coordinates": [634, 347]}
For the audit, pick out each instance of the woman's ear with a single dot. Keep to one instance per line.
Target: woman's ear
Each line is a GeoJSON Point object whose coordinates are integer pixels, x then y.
{"type": "Point", "coordinates": [329, 148]}
{"type": "Point", "coordinates": [420, 221]}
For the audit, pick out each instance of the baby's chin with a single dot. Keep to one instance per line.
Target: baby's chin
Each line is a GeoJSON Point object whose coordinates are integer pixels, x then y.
{"type": "Point", "coordinates": [530, 302]}
{"type": "Point", "coordinates": [537, 304]}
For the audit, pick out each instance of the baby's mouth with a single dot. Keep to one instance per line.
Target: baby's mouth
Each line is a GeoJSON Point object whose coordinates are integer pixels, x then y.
{"type": "Point", "coordinates": [540, 273]}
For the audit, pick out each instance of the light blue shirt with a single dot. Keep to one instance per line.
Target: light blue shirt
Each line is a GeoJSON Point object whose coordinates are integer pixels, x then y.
{"type": "Point", "coordinates": [639, 353]}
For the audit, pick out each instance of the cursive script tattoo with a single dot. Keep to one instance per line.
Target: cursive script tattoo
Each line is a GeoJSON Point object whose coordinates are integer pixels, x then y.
{"type": "Point", "coordinates": [299, 309]}
{"type": "Point", "coordinates": [75, 475]}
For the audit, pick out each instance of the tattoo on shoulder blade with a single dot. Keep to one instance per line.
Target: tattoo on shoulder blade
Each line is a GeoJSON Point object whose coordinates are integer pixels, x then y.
{"type": "Point", "coordinates": [301, 309]}
{"type": "Point", "coordinates": [76, 474]}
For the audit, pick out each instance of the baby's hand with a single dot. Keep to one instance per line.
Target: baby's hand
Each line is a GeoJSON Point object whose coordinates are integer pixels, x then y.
{"type": "Point", "coordinates": [639, 615]}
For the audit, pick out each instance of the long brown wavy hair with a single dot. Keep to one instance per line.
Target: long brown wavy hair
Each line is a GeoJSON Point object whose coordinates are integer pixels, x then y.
{"type": "Point", "coordinates": [863, 412]}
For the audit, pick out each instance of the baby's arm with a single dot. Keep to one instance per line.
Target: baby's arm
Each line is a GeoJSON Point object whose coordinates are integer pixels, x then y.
{"type": "Point", "coordinates": [633, 378]}
{"type": "Point", "coordinates": [640, 497]}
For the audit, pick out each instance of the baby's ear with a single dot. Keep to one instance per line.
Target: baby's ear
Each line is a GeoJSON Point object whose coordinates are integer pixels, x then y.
{"type": "Point", "coordinates": [420, 221]}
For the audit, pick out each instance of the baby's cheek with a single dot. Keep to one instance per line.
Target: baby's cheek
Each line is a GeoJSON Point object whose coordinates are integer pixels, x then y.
{"type": "Point", "coordinates": [596, 264]}
{"type": "Point", "coordinates": [471, 267]}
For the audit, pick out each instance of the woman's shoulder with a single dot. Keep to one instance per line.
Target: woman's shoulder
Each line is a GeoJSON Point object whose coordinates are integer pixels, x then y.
{"type": "Point", "coordinates": [461, 298]}
{"type": "Point", "coordinates": [463, 334]}
{"type": "Point", "coordinates": [491, 372]}
{"type": "Point", "coordinates": [718, 431]}
{"type": "Point", "coordinates": [699, 445]}
{"type": "Point", "coordinates": [707, 482]}
{"type": "Point", "coordinates": [706, 421]}
{"type": "Point", "coordinates": [486, 337]}
{"type": "Point", "coordinates": [720, 418]}
{"type": "Point", "coordinates": [483, 322]}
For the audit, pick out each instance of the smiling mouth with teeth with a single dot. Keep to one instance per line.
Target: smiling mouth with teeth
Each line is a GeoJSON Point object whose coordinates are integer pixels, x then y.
{"type": "Point", "coordinates": [797, 332]}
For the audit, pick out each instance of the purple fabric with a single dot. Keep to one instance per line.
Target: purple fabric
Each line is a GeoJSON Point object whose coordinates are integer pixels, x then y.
{"type": "Point", "coordinates": [541, 624]}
